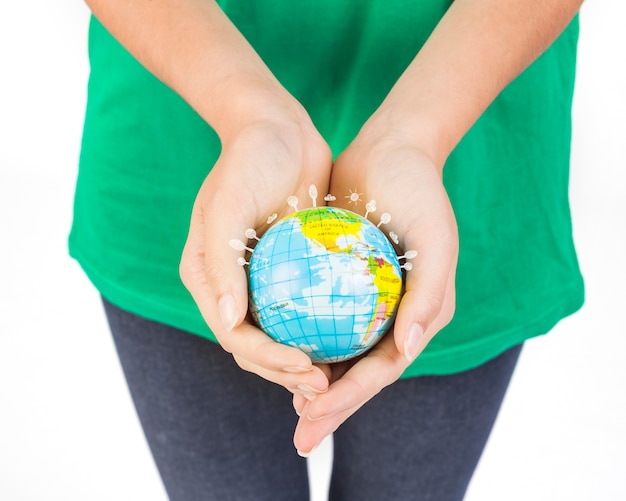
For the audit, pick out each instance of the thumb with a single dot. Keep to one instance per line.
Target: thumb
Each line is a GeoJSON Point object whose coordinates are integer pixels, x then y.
{"type": "Point", "coordinates": [209, 267]}
{"type": "Point", "coordinates": [429, 299]}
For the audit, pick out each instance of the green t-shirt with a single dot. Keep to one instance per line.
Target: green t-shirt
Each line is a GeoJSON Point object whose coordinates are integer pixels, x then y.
{"type": "Point", "coordinates": [145, 153]}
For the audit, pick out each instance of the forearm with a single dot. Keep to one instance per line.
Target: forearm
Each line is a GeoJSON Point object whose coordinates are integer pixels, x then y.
{"type": "Point", "coordinates": [193, 47]}
{"type": "Point", "coordinates": [476, 50]}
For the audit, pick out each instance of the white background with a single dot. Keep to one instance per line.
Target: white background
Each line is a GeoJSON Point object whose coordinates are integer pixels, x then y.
{"type": "Point", "coordinates": [67, 427]}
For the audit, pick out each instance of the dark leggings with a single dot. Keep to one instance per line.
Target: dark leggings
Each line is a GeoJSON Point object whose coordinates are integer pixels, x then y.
{"type": "Point", "coordinates": [219, 433]}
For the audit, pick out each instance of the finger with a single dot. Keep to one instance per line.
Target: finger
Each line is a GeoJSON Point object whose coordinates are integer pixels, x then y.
{"type": "Point", "coordinates": [209, 267]}
{"type": "Point", "coordinates": [221, 295]}
{"type": "Point", "coordinates": [248, 343]}
{"type": "Point", "coordinates": [428, 302]}
{"type": "Point", "coordinates": [306, 383]}
{"type": "Point", "coordinates": [299, 402]}
{"type": "Point", "coordinates": [309, 434]}
{"type": "Point", "coordinates": [379, 368]}
{"type": "Point", "coordinates": [225, 208]}
{"type": "Point", "coordinates": [323, 415]}
{"type": "Point", "coordinates": [226, 279]}
{"type": "Point", "coordinates": [330, 372]}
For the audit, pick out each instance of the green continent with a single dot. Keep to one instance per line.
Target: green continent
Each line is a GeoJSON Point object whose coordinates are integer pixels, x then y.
{"type": "Point", "coordinates": [324, 227]}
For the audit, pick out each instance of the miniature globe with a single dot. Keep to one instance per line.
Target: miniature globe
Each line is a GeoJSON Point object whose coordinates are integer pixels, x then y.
{"type": "Point", "coordinates": [325, 280]}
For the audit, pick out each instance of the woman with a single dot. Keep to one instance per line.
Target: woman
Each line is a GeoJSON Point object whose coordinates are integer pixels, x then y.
{"type": "Point", "coordinates": [204, 117]}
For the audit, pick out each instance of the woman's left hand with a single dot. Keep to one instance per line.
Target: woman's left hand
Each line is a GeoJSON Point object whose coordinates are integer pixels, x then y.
{"type": "Point", "coordinates": [407, 184]}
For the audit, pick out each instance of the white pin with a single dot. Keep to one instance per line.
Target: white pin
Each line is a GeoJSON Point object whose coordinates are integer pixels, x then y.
{"type": "Point", "coordinates": [251, 234]}
{"type": "Point", "coordinates": [239, 245]}
{"type": "Point", "coordinates": [385, 217]}
{"type": "Point", "coordinates": [394, 237]}
{"type": "Point", "coordinates": [272, 218]}
{"type": "Point", "coordinates": [370, 207]}
{"type": "Point", "coordinates": [242, 262]}
{"type": "Point", "coordinates": [407, 266]}
{"type": "Point", "coordinates": [292, 201]}
{"type": "Point", "coordinates": [410, 254]}
{"type": "Point", "coordinates": [313, 194]}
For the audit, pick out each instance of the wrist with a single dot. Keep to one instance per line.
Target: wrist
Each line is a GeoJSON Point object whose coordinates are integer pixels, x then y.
{"type": "Point", "coordinates": [394, 125]}
{"type": "Point", "coordinates": [241, 101]}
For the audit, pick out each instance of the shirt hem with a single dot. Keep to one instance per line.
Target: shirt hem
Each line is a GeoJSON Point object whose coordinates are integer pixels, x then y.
{"type": "Point", "coordinates": [471, 355]}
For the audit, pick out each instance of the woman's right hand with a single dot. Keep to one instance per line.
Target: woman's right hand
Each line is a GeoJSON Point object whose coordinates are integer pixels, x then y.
{"type": "Point", "coordinates": [261, 165]}
{"type": "Point", "coordinates": [270, 151]}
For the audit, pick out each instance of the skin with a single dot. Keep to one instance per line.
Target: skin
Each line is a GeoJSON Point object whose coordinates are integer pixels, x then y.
{"type": "Point", "coordinates": [271, 150]}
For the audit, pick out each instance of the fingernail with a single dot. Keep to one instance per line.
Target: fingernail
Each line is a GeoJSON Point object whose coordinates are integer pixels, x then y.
{"type": "Point", "coordinates": [412, 341]}
{"type": "Point", "coordinates": [306, 454]}
{"type": "Point", "coordinates": [227, 307]}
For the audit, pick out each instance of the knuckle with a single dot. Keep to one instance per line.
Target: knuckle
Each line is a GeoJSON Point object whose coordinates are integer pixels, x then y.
{"type": "Point", "coordinates": [441, 313]}
{"type": "Point", "coordinates": [191, 268]}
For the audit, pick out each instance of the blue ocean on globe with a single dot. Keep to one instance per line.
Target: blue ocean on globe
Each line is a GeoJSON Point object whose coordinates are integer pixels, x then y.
{"type": "Point", "coordinates": [325, 280]}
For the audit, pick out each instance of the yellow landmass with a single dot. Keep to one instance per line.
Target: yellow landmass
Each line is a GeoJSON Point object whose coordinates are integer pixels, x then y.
{"type": "Point", "coordinates": [389, 286]}
{"type": "Point", "coordinates": [324, 228]}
